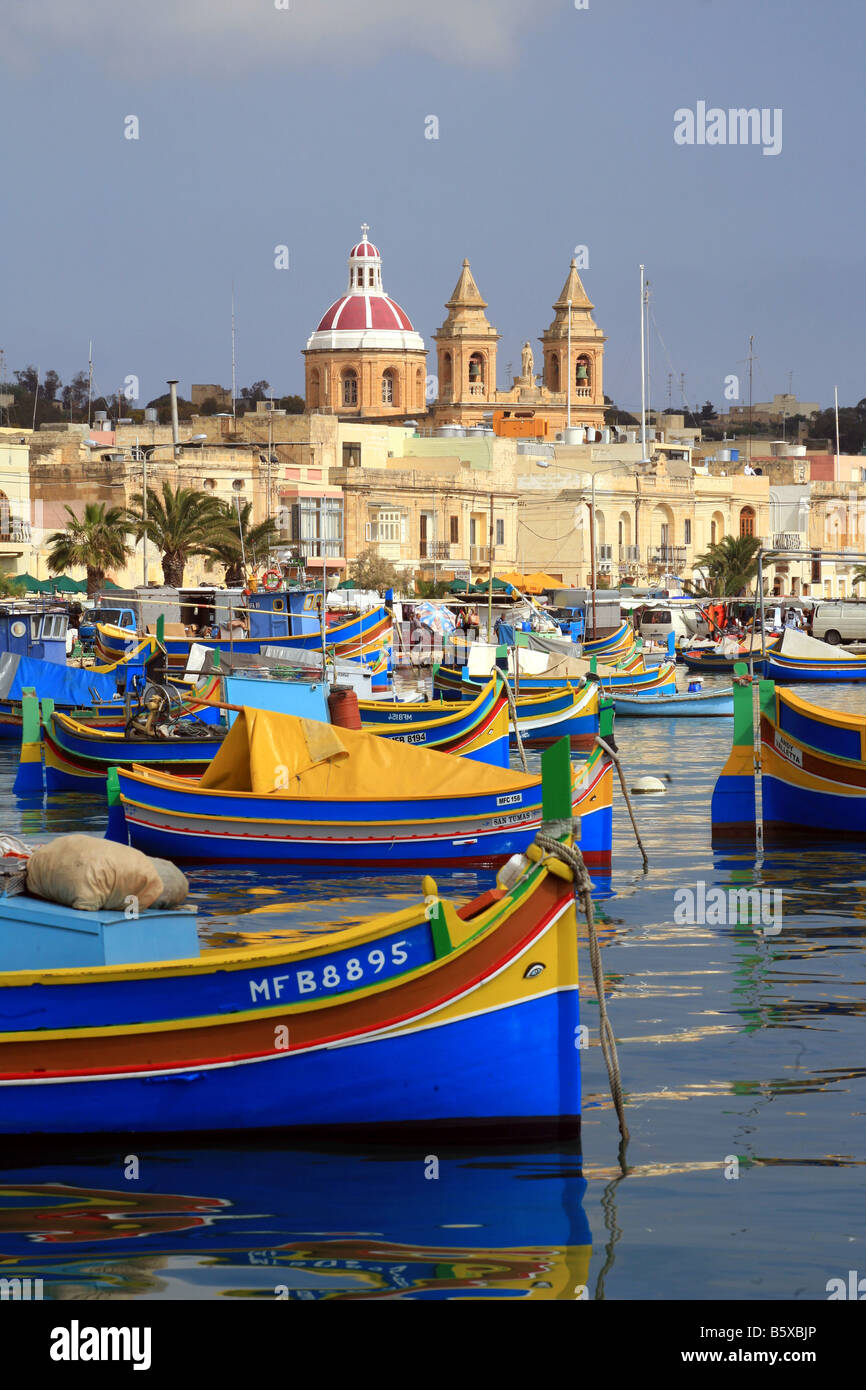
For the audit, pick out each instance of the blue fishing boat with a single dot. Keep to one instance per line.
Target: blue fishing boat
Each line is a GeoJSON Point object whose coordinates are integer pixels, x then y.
{"type": "Point", "coordinates": [461, 1019]}
{"type": "Point", "coordinates": [286, 790]}
{"type": "Point", "coordinates": [812, 769]}
{"type": "Point", "coordinates": [692, 704]}
{"type": "Point", "coordinates": [571, 713]}
{"type": "Point", "coordinates": [798, 657]}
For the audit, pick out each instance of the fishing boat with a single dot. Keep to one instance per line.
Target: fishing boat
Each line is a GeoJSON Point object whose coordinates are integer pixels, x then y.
{"type": "Point", "coordinates": [812, 771]}
{"type": "Point", "coordinates": [460, 1019]}
{"type": "Point", "coordinates": [283, 620]}
{"type": "Point", "coordinates": [685, 704]}
{"type": "Point", "coordinates": [69, 687]}
{"type": "Point", "coordinates": [798, 657]}
{"type": "Point", "coordinates": [614, 645]}
{"type": "Point", "coordinates": [478, 729]}
{"type": "Point", "coordinates": [572, 713]}
{"type": "Point", "coordinates": [293, 791]}
{"type": "Point", "coordinates": [721, 657]}
{"type": "Point", "coordinates": [550, 674]}
{"type": "Point", "coordinates": [78, 755]}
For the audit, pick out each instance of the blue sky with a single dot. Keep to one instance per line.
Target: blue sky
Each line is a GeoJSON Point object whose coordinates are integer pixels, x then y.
{"type": "Point", "coordinates": [260, 127]}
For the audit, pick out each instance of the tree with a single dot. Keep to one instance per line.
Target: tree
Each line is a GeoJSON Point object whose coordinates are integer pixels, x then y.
{"type": "Point", "coordinates": [51, 384]}
{"type": "Point", "coordinates": [181, 523]}
{"type": "Point", "coordinates": [95, 542]}
{"type": "Point", "coordinates": [257, 392]}
{"type": "Point", "coordinates": [370, 570]}
{"type": "Point", "coordinates": [615, 416]}
{"type": "Point", "coordinates": [292, 405]}
{"type": "Point", "coordinates": [429, 588]}
{"type": "Point", "coordinates": [852, 427]}
{"type": "Point", "coordinates": [28, 379]}
{"type": "Point", "coordinates": [10, 587]}
{"type": "Point", "coordinates": [74, 396]}
{"type": "Point", "coordinates": [226, 549]}
{"type": "Point", "coordinates": [731, 564]}
{"type": "Point", "coordinates": [209, 406]}
{"type": "Point", "coordinates": [162, 405]}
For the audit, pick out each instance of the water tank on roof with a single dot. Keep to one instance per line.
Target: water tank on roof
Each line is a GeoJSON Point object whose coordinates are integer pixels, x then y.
{"type": "Point", "coordinates": [573, 434]}
{"type": "Point", "coordinates": [450, 432]}
{"type": "Point", "coordinates": [100, 415]}
{"type": "Point", "coordinates": [151, 415]}
{"type": "Point", "coordinates": [605, 435]}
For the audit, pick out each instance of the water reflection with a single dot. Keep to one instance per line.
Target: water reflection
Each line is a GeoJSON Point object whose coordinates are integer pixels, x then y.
{"type": "Point", "coordinates": [264, 1221]}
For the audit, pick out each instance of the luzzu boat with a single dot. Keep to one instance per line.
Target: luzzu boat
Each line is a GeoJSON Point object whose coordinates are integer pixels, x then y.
{"type": "Point", "coordinates": [78, 755]}
{"type": "Point", "coordinates": [477, 730]}
{"type": "Point", "coordinates": [293, 791]}
{"type": "Point", "coordinates": [542, 718]}
{"type": "Point", "coordinates": [460, 1019]}
{"type": "Point", "coordinates": [558, 675]}
{"type": "Point", "coordinates": [812, 765]}
{"type": "Point", "coordinates": [610, 648]}
{"type": "Point", "coordinates": [281, 621]}
{"type": "Point", "coordinates": [69, 687]}
{"type": "Point", "coordinates": [798, 657]}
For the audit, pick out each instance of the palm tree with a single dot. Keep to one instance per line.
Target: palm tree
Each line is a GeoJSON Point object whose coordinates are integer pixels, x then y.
{"type": "Point", "coordinates": [95, 542]}
{"type": "Point", "coordinates": [731, 564]}
{"type": "Point", "coordinates": [181, 523]}
{"type": "Point", "coordinates": [227, 550]}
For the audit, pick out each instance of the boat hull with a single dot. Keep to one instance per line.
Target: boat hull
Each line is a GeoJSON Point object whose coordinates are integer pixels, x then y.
{"type": "Point", "coordinates": [453, 1033]}
{"type": "Point", "coordinates": [687, 704]}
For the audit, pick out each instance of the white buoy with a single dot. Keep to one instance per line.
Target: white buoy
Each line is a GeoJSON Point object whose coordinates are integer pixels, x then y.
{"type": "Point", "coordinates": [648, 784]}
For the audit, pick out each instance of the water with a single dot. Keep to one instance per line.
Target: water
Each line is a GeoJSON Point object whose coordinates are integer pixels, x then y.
{"type": "Point", "coordinates": [743, 1057]}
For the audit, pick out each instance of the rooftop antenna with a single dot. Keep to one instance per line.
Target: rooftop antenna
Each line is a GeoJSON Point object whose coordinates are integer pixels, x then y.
{"type": "Point", "coordinates": [751, 359]}
{"type": "Point", "coordinates": [35, 400]}
{"type": "Point", "coordinates": [642, 370]}
{"type": "Point", "coordinates": [89, 380]}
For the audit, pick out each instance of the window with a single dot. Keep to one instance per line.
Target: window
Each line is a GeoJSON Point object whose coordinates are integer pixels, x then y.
{"type": "Point", "coordinates": [476, 368]}
{"type": "Point", "coordinates": [386, 527]}
{"type": "Point", "coordinates": [317, 525]}
{"type": "Point", "coordinates": [446, 369]}
{"type": "Point", "coordinates": [747, 521]}
{"type": "Point", "coordinates": [351, 456]}
{"type": "Point", "coordinates": [472, 530]}
{"type": "Point", "coordinates": [500, 531]}
{"type": "Point", "coordinates": [687, 532]}
{"type": "Point", "coordinates": [712, 533]}
{"type": "Point", "coordinates": [314, 388]}
{"type": "Point", "coordinates": [388, 388]}
{"type": "Point", "coordinates": [455, 530]}
{"type": "Point", "coordinates": [553, 372]}
{"type": "Point", "coordinates": [582, 370]}
{"type": "Point", "coordinates": [665, 535]}
{"type": "Point", "coordinates": [350, 388]}
{"type": "Point", "coordinates": [371, 276]}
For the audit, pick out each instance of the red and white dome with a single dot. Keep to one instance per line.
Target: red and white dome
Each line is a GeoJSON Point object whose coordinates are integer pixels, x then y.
{"type": "Point", "coordinates": [365, 316]}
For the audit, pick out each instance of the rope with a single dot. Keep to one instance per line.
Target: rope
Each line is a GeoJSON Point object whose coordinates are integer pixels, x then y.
{"type": "Point", "coordinates": [572, 856]}
{"type": "Point", "coordinates": [512, 705]}
{"type": "Point", "coordinates": [615, 756]}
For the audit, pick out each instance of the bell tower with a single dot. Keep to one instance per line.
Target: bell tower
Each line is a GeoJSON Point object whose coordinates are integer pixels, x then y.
{"type": "Point", "coordinates": [585, 361]}
{"type": "Point", "coordinates": [466, 355]}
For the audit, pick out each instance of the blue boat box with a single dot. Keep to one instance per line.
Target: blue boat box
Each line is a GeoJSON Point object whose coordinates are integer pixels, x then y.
{"type": "Point", "coordinates": [39, 935]}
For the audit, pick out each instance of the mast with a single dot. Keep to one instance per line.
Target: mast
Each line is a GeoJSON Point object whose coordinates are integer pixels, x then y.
{"type": "Point", "coordinates": [749, 444]}
{"type": "Point", "coordinates": [89, 381]}
{"type": "Point", "coordinates": [234, 361]}
{"type": "Point", "coordinates": [836, 407]}
{"type": "Point", "coordinates": [642, 371]}
{"type": "Point", "coordinates": [570, 369]}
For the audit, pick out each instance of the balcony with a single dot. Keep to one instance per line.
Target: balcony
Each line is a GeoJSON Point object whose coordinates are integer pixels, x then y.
{"type": "Point", "coordinates": [629, 554]}
{"type": "Point", "coordinates": [477, 388]}
{"type": "Point", "coordinates": [785, 540]}
{"type": "Point", "coordinates": [665, 556]}
{"type": "Point", "coordinates": [481, 554]}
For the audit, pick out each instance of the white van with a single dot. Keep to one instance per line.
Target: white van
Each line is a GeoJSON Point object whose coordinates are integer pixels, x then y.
{"type": "Point", "coordinates": [686, 624]}
{"type": "Point", "coordinates": [840, 620]}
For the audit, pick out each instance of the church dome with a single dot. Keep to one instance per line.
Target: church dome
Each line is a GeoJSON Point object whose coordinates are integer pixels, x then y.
{"type": "Point", "coordinates": [365, 316]}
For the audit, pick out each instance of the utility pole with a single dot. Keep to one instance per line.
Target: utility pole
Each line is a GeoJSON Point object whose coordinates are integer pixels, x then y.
{"type": "Point", "coordinates": [234, 363]}
{"type": "Point", "coordinates": [568, 410]}
{"type": "Point", "coordinates": [751, 358]}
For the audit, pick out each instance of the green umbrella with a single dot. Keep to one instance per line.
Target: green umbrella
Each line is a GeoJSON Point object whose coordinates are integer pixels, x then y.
{"type": "Point", "coordinates": [29, 581]}
{"type": "Point", "coordinates": [65, 585]}
{"type": "Point", "coordinates": [459, 586]}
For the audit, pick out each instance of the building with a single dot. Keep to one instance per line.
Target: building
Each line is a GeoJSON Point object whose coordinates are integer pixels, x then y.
{"type": "Point", "coordinates": [365, 359]}
{"type": "Point", "coordinates": [20, 533]}
{"type": "Point", "coordinates": [573, 352]}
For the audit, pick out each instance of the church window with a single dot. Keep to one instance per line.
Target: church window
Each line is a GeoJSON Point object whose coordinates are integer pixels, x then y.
{"type": "Point", "coordinates": [446, 369]}
{"type": "Point", "coordinates": [388, 388]}
{"type": "Point", "coordinates": [371, 277]}
{"type": "Point", "coordinates": [553, 372]}
{"type": "Point", "coordinates": [350, 388]}
{"type": "Point", "coordinates": [476, 368]}
{"type": "Point", "coordinates": [583, 372]}
{"type": "Point", "coordinates": [314, 388]}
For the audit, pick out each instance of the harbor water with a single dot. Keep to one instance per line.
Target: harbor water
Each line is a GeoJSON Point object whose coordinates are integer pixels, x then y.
{"type": "Point", "coordinates": [740, 1047]}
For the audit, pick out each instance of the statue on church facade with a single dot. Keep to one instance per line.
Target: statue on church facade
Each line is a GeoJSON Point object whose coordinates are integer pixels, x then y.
{"type": "Point", "coordinates": [526, 362]}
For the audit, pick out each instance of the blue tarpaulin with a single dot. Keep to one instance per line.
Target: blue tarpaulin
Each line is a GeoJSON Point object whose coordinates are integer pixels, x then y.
{"type": "Point", "coordinates": [70, 686]}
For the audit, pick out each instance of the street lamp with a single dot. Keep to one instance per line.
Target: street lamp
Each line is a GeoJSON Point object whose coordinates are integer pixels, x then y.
{"type": "Point", "coordinates": [134, 454]}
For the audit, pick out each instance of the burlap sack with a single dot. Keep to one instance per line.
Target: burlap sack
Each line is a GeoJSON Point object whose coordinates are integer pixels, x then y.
{"type": "Point", "coordinates": [88, 873]}
{"type": "Point", "coordinates": [175, 888]}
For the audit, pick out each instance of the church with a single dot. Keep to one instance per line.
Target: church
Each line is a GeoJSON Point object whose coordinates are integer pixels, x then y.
{"type": "Point", "coordinates": [366, 361]}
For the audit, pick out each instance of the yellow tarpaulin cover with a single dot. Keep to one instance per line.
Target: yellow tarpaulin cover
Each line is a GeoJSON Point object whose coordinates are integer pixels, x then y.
{"type": "Point", "coordinates": [279, 754]}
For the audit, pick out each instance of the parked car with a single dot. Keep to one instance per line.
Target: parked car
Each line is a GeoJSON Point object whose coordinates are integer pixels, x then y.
{"type": "Point", "coordinates": [840, 620]}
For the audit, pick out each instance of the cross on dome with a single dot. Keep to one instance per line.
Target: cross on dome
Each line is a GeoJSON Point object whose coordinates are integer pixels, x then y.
{"type": "Point", "coordinates": [365, 227]}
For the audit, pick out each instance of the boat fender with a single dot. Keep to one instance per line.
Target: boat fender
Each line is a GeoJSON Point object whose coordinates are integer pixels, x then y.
{"type": "Point", "coordinates": [535, 853]}
{"type": "Point", "coordinates": [559, 870]}
{"type": "Point", "coordinates": [648, 784]}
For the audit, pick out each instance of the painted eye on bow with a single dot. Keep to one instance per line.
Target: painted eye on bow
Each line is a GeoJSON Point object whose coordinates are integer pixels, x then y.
{"type": "Point", "coordinates": [532, 970]}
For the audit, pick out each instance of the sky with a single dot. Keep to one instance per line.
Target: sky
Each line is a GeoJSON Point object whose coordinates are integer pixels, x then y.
{"type": "Point", "coordinates": [287, 123]}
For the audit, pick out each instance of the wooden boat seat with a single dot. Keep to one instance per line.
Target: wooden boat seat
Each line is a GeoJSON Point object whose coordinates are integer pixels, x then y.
{"type": "Point", "coordinates": [480, 904]}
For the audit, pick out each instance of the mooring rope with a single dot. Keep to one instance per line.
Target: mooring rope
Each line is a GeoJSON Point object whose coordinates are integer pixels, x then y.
{"type": "Point", "coordinates": [512, 706]}
{"type": "Point", "coordinates": [615, 756]}
{"type": "Point", "coordinates": [572, 856]}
